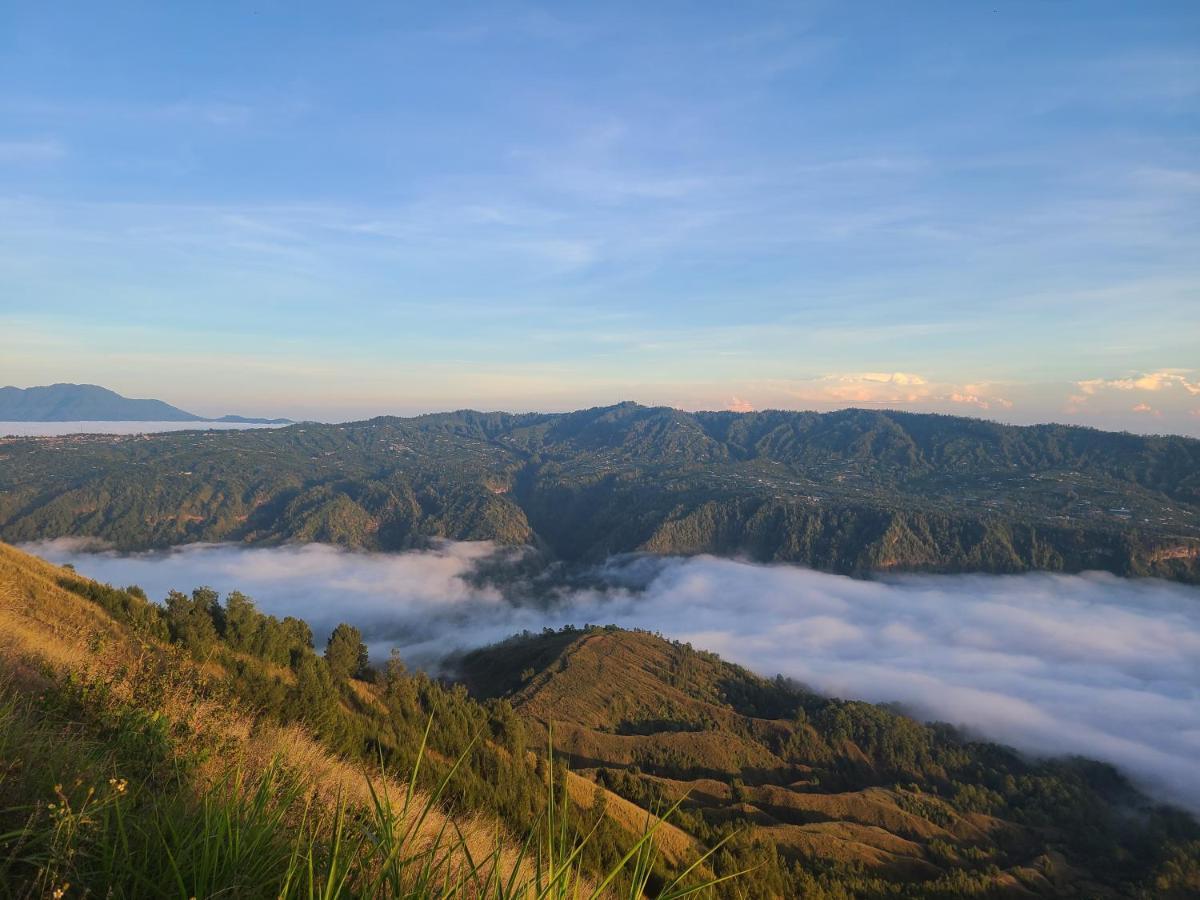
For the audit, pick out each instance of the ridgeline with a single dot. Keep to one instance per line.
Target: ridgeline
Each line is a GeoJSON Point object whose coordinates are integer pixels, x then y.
{"type": "Point", "coordinates": [854, 491]}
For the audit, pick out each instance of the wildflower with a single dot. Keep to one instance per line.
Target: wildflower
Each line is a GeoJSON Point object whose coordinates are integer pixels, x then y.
{"type": "Point", "coordinates": [59, 892]}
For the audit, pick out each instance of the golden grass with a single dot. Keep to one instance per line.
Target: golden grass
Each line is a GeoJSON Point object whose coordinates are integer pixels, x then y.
{"type": "Point", "coordinates": [676, 846]}
{"type": "Point", "coordinates": [43, 626]}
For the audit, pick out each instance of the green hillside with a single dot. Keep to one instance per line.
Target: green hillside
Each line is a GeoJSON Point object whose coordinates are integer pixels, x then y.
{"type": "Point", "coordinates": [852, 491]}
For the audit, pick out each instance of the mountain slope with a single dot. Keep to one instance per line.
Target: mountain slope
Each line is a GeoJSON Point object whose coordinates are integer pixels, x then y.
{"type": "Point", "coordinates": [848, 795]}
{"type": "Point", "coordinates": [86, 701]}
{"type": "Point", "coordinates": [854, 491]}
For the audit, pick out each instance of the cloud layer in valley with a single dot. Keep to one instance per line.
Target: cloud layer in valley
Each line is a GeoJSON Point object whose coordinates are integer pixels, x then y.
{"type": "Point", "coordinates": [1088, 664]}
{"type": "Point", "coordinates": [57, 429]}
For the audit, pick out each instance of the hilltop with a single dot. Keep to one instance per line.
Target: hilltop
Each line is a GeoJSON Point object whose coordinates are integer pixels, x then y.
{"type": "Point", "coordinates": [834, 795]}
{"type": "Point", "coordinates": [92, 403]}
{"type": "Point", "coordinates": [855, 491]}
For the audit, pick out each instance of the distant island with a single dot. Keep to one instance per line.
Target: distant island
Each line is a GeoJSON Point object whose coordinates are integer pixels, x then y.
{"type": "Point", "coordinates": [92, 403]}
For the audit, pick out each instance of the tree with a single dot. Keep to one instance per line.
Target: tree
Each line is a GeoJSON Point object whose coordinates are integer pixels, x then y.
{"type": "Point", "coordinates": [297, 640]}
{"type": "Point", "coordinates": [346, 653]}
{"type": "Point", "coordinates": [242, 623]}
{"type": "Point", "coordinates": [191, 620]}
{"type": "Point", "coordinates": [314, 698]}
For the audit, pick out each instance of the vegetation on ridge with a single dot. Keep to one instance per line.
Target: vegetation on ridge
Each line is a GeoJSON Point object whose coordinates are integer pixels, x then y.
{"type": "Point", "coordinates": [853, 491]}
{"type": "Point", "coordinates": [847, 798]}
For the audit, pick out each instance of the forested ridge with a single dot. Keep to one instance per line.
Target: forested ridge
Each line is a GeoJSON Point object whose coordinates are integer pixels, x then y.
{"type": "Point", "coordinates": [853, 491]}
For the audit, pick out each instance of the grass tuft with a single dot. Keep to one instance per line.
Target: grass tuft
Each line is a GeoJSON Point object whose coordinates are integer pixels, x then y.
{"type": "Point", "coordinates": [106, 808]}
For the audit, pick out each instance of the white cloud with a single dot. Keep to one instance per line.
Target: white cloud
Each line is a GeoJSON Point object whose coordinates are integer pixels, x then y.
{"type": "Point", "coordinates": [887, 389]}
{"type": "Point", "coordinates": [1089, 664]}
{"type": "Point", "coordinates": [1162, 396]}
{"type": "Point", "coordinates": [737, 404]}
{"type": "Point", "coordinates": [1162, 380]}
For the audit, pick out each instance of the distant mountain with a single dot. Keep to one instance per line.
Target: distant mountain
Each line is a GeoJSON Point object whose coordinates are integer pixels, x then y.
{"type": "Point", "coordinates": [855, 491]}
{"type": "Point", "coordinates": [83, 403]}
{"type": "Point", "coordinates": [92, 403]}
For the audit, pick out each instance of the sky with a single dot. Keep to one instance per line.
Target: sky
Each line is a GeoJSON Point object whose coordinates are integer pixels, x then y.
{"type": "Point", "coordinates": [339, 210]}
{"type": "Point", "coordinates": [1080, 664]}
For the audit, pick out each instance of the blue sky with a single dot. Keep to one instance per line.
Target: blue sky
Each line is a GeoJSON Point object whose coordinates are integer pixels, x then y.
{"type": "Point", "coordinates": [988, 209]}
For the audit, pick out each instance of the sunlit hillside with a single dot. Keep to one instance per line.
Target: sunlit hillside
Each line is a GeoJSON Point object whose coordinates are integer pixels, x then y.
{"type": "Point", "coordinates": [838, 793]}
{"type": "Point", "coordinates": [134, 765]}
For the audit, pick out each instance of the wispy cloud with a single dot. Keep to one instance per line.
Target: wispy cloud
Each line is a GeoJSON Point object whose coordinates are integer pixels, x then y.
{"type": "Point", "coordinates": [740, 191]}
{"type": "Point", "coordinates": [36, 150]}
{"type": "Point", "coordinates": [738, 405]}
{"type": "Point", "coordinates": [895, 389]}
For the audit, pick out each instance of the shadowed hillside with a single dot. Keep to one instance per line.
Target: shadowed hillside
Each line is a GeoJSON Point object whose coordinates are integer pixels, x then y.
{"type": "Point", "coordinates": [829, 795]}
{"type": "Point", "coordinates": [854, 491]}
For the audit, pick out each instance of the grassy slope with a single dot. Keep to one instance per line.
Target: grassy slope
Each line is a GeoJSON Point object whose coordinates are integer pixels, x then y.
{"type": "Point", "coordinates": [144, 713]}
{"type": "Point", "coordinates": [48, 634]}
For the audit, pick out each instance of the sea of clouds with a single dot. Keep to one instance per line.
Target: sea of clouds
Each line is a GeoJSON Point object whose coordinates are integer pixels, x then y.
{"type": "Point", "coordinates": [1080, 664]}
{"type": "Point", "coordinates": [58, 429]}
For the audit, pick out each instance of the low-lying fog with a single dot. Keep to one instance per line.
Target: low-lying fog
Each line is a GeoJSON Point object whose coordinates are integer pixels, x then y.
{"type": "Point", "coordinates": [1088, 664]}
{"type": "Point", "coordinates": [57, 429]}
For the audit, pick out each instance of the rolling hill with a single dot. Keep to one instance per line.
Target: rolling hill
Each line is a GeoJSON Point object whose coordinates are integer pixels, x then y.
{"type": "Point", "coordinates": [827, 795]}
{"type": "Point", "coordinates": [855, 491]}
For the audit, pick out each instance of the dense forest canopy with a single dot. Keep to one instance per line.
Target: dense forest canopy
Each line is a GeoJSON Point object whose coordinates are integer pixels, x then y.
{"type": "Point", "coordinates": [852, 491]}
